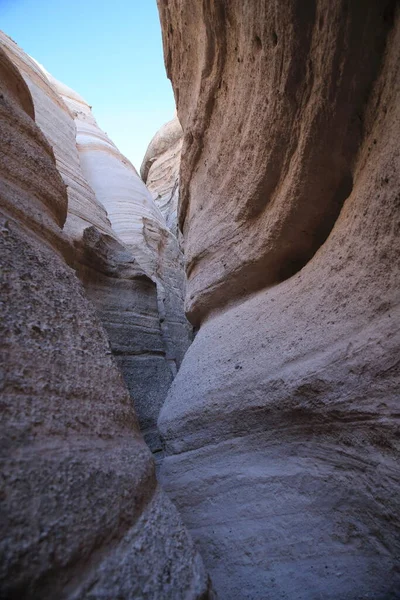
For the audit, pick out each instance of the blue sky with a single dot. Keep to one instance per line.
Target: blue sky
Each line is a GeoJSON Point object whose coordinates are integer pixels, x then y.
{"type": "Point", "coordinates": [109, 51]}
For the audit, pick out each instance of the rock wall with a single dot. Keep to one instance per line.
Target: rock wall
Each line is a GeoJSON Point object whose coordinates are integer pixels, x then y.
{"type": "Point", "coordinates": [126, 303]}
{"type": "Point", "coordinates": [136, 221]}
{"type": "Point", "coordinates": [57, 124]}
{"type": "Point", "coordinates": [281, 427]}
{"type": "Point", "coordinates": [160, 170]}
{"type": "Point", "coordinates": [82, 515]}
{"type": "Point", "coordinates": [118, 264]}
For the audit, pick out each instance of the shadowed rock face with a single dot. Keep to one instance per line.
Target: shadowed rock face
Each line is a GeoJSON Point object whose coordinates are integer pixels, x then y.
{"type": "Point", "coordinates": [270, 97]}
{"type": "Point", "coordinates": [281, 427]}
{"type": "Point", "coordinates": [160, 170]}
{"type": "Point", "coordinates": [126, 303]}
{"type": "Point", "coordinates": [82, 516]}
{"type": "Point", "coordinates": [134, 278]}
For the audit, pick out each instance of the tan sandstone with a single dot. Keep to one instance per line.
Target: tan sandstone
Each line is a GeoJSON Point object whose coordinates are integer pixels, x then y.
{"type": "Point", "coordinates": [82, 515]}
{"type": "Point", "coordinates": [281, 427]}
{"type": "Point", "coordinates": [134, 274]}
{"type": "Point", "coordinates": [160, 170]}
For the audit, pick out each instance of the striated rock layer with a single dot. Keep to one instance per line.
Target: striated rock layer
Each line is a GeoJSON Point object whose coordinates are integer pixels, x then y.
{"type": "Point", "coordinates": [82, 515]}
{"type": "Point", "coordinates": [281, 427]}
{"type": "Point", "coordinates": [119, 263]}
{"type": "Point", "coordinates": [140, 226]}
{"type": "Point", "coordinates": [56, 122]}
{"type": "Point", "coordinates": [160, 170]}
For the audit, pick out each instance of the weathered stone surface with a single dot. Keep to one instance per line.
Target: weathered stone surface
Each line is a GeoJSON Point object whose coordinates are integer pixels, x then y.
{"type": "Point", "coordinates": [160, 170]}
{"type": "Point", "coordinates": [137, 222]}
{"type": "Point", "coordinates": [56, 122]}
{"type": "Point", "coordinates": [262, 91]}
{"type": "Point", "coordinates": [82, 516]}
{"type": "Point", "coordinates": [126, 299]}
{"type": "Point", "coordinates": [112, 177]}
{"type": "Point", "coordinates": [126, 302]}
{"type": "Point", "coordinates": [282, 424]}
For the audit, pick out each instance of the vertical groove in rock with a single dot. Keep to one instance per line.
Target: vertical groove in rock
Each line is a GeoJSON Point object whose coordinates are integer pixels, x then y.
{"type": "Point", "coordinates": [136, 220]}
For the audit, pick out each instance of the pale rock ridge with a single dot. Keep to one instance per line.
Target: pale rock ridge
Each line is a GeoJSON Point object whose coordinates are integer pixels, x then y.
{"type": "Point", "coordinates": [281, 428]}
{"type": "Point", "coordinates": [113, 178]}
{"type": "Point", "coordinates": [82, 515]}
{"type": "Point", "coordinates": [160, 170]}
{"type": "Point", "coordinates": [147, 346]}
{"type": "Point", "coordinates": [56, 122]}
{"type": "Point", "coordinates": [136, 220]}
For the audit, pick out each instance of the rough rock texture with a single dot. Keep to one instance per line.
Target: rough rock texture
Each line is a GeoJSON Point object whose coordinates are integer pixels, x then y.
{"type": "Point", "coordinates": [262, 91]}
{"type": "Point", "coordinates": [82, 516]}
{"type": "Point", "coordinates": [160, 170]}
{"type": "Point", "coordinates": [126, 302]}
{"type": "Point", "coordinates": [148, 344]}
{"type": "Point", "coordinates": [282, 424]}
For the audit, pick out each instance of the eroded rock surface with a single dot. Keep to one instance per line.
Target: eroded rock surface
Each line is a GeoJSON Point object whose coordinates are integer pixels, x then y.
{"type": "Point", "coordinates": [131, 267]}
{"type": "Point", "coordinates": [82, 515]}
{"type": "Point", "coordinates": [56, 122]}
{"type": "Point", "coordinates": [282, 425]}
{"type": "Point", "coordinates": [137, 222]}
{"type": "Point", "coordinates": [262, 92]}
{"type": "Point", "coordinates": [160, 170]}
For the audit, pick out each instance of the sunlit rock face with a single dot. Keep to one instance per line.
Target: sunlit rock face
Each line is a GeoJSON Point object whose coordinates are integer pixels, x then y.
{"type": "Point", "coordinates": [56, 122]}
{"type": "Point", "coordinates": [137, 221]}
{"type": "Point", "coordinates": [82, 515]}
{"type": "Point", "coordinates": [280, 427]}
{"type": "Point", "coordinates": [160, 170]}
{"type": "Point", "coordinates": [113, 178]}
{"type": "Point", "coordinates": [132, 269]}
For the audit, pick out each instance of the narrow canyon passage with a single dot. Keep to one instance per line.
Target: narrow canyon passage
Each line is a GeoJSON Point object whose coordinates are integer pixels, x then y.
{"type": "Point", "coordinates": [127, 259]}
{"type": "Point", "coordinates": [82, 514]}
{"type": "Point", "coordinates": [266, 216]}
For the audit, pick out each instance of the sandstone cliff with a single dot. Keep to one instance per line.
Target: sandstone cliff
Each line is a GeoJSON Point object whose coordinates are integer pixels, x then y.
{"type": "Point", "coordinates": [57, 124]}
{"type": "Point", "coordinates": [281, 426]}
{"type": "Point", "coordinates": [82, 515]}
{"type": "Point", "coordinates": [160, 170]}
{"type": "Point", "coordinates": [141, 227]}
{"type": "Point", "coordinates": [130, 264]}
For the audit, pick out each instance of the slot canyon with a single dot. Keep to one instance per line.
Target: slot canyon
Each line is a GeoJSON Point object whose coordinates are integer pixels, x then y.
{"type": "Point", "coordinates": [200, 380]}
